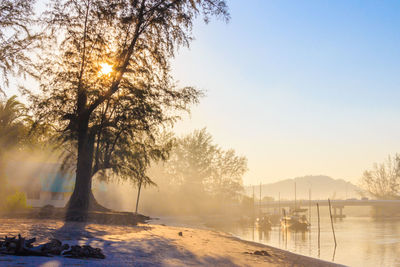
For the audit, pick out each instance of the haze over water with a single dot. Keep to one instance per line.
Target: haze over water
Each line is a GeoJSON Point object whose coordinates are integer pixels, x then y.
{"type": "Point", "coordinates": [362, 241]}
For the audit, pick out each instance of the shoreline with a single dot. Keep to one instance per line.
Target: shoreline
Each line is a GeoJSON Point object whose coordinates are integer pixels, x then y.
{"type": "Point", "coordinates": [322, 262]}
{"type": "Point", "coordinates": [192, 222]}
{"type": "Point", "coordinates": [149, 245]}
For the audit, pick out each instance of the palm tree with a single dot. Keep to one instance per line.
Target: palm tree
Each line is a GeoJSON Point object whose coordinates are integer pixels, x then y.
{"type": "Point", "coordinates": [11, 122]}
{"type": "Point", "coordinates": [12, 114]}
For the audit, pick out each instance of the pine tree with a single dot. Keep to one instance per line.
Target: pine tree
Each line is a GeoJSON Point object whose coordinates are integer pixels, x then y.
{"type": "Point", "coordinates": [108, 84]}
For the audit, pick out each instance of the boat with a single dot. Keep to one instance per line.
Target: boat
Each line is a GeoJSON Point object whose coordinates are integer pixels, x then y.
{"type": "Point", "coordinates": [296, 220]}
{"type": "Point", "coordinates": [264, 223]}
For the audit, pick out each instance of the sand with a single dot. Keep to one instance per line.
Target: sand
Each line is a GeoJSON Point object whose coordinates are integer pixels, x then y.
{"type": "Point", "coordinates": [148, 245]}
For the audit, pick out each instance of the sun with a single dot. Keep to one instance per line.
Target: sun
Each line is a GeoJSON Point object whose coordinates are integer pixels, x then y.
{"type": "Point", "coordinates": [106, 69]}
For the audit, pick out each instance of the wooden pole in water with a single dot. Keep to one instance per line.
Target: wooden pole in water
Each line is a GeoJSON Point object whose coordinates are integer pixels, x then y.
{"type": "Point", "coordinates": [254, 204]}
{"type": "Point", "coordinates": [333, 229]}
{"type": "Point", "coordinates": [319, 230]}
{"type": "Point", "coordinates": [279, 204]}
{"type": "Point", "coordinates": [295, 196]}
{"type": "Point", "coordinates": [253, 215]}
{"type": "Point", "coordinates": [260, 202]}
{"type": "Point", "coordinates": [309, 205]}
{"type": "Point", "coordinates": [284, 216]}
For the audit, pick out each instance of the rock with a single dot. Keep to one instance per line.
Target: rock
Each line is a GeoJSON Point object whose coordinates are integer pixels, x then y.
{"type": "Point", "coordinates": [84, 252]}
{"type": "Point", "coordinates": [65, 247]}
{"type": "Point", "coordinates": [28, 243]}
{"type": "Point", "coordinates": [180, 234]}
{"type": "Point", "coordinates": [54, 247]}
{"type": "Point", "coordinates": [261, 253]}
{"type": "Point", "coordinates": [19, 247]}
{"type": "Point", "coordinates": [22, 247]}
{"type": "Point", "coordinates": [46, 211]}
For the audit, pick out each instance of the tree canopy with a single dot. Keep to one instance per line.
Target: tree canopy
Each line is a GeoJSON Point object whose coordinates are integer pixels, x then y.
{"type": "Point", "coordinates": [383, 180]}
{"type": "Point", "coordinates": [16, 37]}
{"type": "Point", "coordinates": [201, 166]}
{"type": "Point", "coordinates": [198, 176]}
{"type": "Point", "coordinates": [102, 114]}
{"type": "Point", "coordinates": [12, 114]}
{"type": "Point", "coordinates": [12, 133]}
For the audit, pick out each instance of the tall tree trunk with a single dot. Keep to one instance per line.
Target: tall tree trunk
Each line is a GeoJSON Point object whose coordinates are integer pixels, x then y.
{"type": "Point", "coordinates": [80, 199]}
{"type": "Point", "coordinates": [138, 196]}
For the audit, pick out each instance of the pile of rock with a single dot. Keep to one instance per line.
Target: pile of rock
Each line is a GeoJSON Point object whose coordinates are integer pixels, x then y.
{"type": "Point", "coordinates": [84, 252]}
{"type": "Point", "coordinates": [23, 247]}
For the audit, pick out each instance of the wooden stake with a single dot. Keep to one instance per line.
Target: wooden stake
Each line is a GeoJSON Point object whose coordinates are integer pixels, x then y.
{"type": "Point", "coordinates": [279, 204]}
{"type": "Point", "coordinates": [295, 196]}
{"type": "Point", "coordinates": [284, 214]}
{"type": "Point", "coordinates": [319, 231]}
{"type": "Point", "coordinates": [254, 207]}
{"type": "Point", "coordinates": [309, 205]}
{"type": "Point", "coordinates": [259, 202]}
{"type": "Point", "coordinates": [330, 213]}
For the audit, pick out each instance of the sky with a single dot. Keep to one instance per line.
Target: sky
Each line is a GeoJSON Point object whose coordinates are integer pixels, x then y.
{"type": "Point", "coordinates": [298, 87]}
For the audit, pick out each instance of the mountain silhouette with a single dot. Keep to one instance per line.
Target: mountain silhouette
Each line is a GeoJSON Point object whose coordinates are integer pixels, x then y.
{"type": "Point", "coordinates": [322, 187]}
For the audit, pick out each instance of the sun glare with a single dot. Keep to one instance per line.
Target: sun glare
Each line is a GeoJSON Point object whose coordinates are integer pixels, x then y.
{"type": "Point", "coordinates": [106, 69]}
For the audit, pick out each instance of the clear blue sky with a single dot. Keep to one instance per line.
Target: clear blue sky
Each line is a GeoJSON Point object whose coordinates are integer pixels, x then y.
{"type": "Point", "coordinates": [299, 87]}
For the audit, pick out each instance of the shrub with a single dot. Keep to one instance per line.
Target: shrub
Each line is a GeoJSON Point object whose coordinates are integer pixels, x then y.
{"type": "Point", "coordinates": [16, 202]}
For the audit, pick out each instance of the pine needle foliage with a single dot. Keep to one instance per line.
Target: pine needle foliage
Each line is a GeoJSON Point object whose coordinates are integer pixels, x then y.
{"type": "Point", "coordinates": [111, 119]}
{"type": "Point", "coordinates": [16, 38]}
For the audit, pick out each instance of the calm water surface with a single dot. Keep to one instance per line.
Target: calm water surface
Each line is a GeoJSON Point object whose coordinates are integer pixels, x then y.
{"type": "Point", "coordinates": [362, 241]}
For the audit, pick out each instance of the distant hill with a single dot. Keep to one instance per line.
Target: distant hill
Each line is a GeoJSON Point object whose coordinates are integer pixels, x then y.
{"type": "Point", "coordinates": [321, 187]}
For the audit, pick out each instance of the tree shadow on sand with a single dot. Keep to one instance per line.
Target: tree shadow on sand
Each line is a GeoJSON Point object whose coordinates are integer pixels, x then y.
{"type": "Point", "coordinates": [123, 247]}
{"type": "Point", "coordinates": [160, 251]}
{"type": "Point", "coordinates": [84, 231]}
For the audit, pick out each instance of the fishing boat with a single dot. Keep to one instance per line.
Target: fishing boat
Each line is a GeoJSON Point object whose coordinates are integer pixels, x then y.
{"type": "Point", "coordinates": [296, 220]}
{"type": "Point", "coordinates": [264, 223]}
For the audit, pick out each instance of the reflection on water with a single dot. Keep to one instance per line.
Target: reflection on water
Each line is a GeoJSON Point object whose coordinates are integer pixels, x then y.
{"type": "Point", "coordinates": [361, 241]}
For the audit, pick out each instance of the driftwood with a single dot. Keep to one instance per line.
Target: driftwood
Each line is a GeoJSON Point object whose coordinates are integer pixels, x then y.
{"type": "Point", "coordinates": [54, 247]}
{"type": "Point", "coordinates": [19, 247]}
{"type": "Point", "coordinates": [24, 247]}
{"type": "Point", "coordinates": [84, 252]}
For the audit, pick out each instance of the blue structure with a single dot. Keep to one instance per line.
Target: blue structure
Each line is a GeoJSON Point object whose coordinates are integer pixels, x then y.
{"type": "Point", "coordinates": [43, 183]}
{"type": "Point", "coordinates": [57, 181]}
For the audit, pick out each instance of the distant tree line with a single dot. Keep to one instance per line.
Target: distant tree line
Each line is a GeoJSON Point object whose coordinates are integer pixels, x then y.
{"type": "Point", "coordinates": [198, 177]}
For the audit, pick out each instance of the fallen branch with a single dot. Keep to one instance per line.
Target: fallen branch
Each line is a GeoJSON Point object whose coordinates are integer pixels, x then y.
{"type": "Point", "coordinates": [22, 247]}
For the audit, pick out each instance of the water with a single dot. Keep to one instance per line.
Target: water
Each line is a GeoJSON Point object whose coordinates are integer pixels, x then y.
{"type": "Point", "coordinates": [361, 241]}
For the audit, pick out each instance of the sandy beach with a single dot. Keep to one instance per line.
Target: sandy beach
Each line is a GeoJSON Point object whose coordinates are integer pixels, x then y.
{"type": "Point", "coordinates": [148, 245]}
